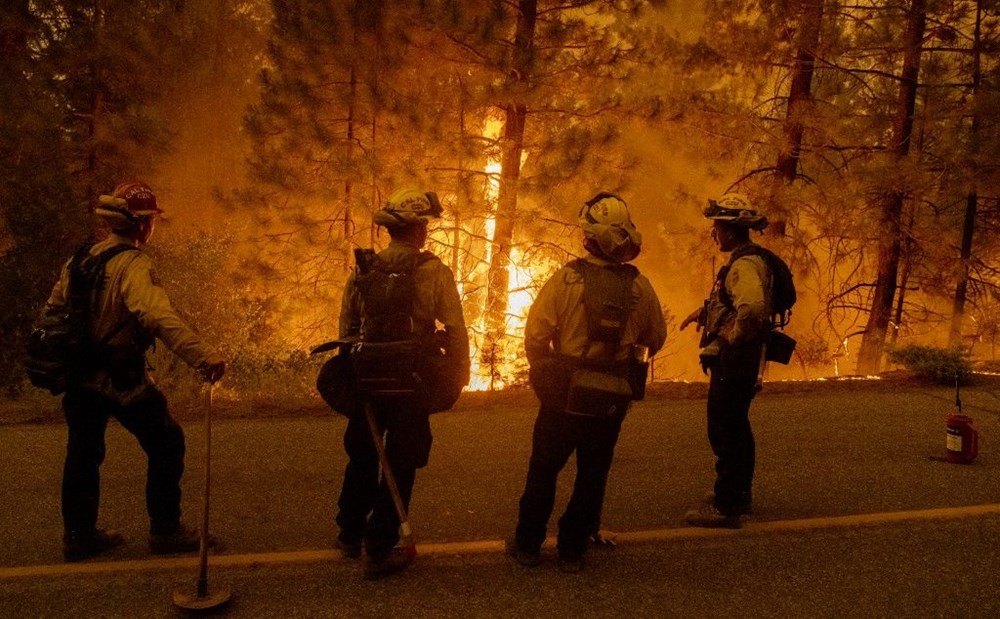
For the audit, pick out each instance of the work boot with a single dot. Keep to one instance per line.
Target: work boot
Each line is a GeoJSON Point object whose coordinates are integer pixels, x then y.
{"type": "Point", "coordinates": [603, 539]}
{"type": "Point", "coordinates": [397, 560]}
{"type": "Point", "coordinates": [526, 558]}
{"type": "Point", "coordinates": [79, 546]}
{"type": "Point", "coordinates": [710, 517]}
{"type": "Point", "coordinates": [348, 550]}
{"type": "Point", "coordinates": [743, 508]}
{"type": "Point", "coordinates": [183, 539]}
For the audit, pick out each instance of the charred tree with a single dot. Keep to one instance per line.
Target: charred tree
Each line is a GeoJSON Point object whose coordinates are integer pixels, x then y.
{"type": "Point", "coordinates": [891, 204]}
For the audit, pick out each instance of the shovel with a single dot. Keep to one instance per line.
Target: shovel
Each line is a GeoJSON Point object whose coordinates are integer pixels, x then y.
{"type": "Point", "coordinates": [405, 534]}
{"type": "Point", "coordinates": [202, 598]}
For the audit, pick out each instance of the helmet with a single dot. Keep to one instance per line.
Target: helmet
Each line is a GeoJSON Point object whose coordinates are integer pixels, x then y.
{"type": "Point", "coordinates": [735, 209]}
{"type": "Point", "coordinates": [127, 204]}
{"type": "Point", "coordinates": [408, 206]}
{"type": "Point", "coordinates": [606, 222]}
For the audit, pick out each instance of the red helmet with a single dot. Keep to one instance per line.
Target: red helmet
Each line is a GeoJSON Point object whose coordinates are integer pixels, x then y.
{"type": "Point", "coordinates": [128, 203]}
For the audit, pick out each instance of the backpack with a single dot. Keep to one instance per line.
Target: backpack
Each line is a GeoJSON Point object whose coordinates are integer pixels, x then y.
{"type": "Point", "coordinates": [385, 359]}
{"type": "Point", "coordinates": [779, 346]}
{"type": "Point", "coordinates": [783, 295]}
{"type": "Point", "coordinates": [601, 387]}
{"type": "Point", "coordinates": [60, 345]}
{"type": "Point", "coordinates": [607, 298]}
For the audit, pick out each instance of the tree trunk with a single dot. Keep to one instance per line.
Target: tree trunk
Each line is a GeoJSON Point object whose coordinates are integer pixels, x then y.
{"type": "Point", "coordinates": [972, 200]}
{"type": "Point", "coordinates": [800, 91]}
{"type": "Point", "coordinates": [873, 340]}
{"type": "Point", "coordinates": [349, 183]}
{"type": "Point", "coordinates": [962, 288]}
{"type": "Point", "coordinates": [96, 132]}
{"type": "Point", "coordinates": [512, 147]}
{"type": "Point", "coordinates": [907, 261]}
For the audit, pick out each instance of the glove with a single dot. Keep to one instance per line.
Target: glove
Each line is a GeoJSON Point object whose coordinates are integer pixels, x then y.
{"type": "Point", "coordinates": [212, 369]}
{"type": "Point", "coordinates": [697, 317]}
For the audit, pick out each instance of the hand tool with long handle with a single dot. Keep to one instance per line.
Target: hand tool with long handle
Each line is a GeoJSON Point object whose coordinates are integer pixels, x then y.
{"type": "Point", "coordinates": [202, 598]}
{"type": "Point", "coordinates": [406, 535]}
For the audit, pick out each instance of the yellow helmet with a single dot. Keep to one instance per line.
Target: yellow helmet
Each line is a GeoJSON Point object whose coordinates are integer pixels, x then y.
{"type": "Point", "coordinates": [407, 206]}
{"type": "Point", "coordinates": [606, 221]}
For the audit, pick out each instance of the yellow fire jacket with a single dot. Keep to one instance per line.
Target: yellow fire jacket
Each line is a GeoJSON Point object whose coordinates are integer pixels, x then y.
{"type": "Point", "coordinates": [132, 296]}
{"type": "Point", "coordinates": [436, 300]}
{"type": "Point", "coordinates": [557, 320]}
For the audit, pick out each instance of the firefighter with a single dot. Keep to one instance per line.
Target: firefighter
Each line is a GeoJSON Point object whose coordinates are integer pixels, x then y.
{"type": "Point", "coordinates": [560, 340]}
{"type": "Point", "coordinates": [128, 312]}
{"type": "Point", "coordinates": [367, 518]}
{"type": "Point", "coordinates": [734, 321]}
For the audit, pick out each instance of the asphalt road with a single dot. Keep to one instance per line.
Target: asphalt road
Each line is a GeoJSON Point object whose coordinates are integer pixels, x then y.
{"type": "Point", "coordinates": [855, 515]}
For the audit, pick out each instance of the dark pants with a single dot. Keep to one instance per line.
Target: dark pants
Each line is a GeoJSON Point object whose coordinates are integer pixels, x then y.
{"type": "Point", "coordinates": [366, 510]}
{"type": "Point", "coordinates": [556, 436]}
{"type": "Point", "coordinates": [731, 389]}
{"type": "Point", "coordinates": [159, 436]}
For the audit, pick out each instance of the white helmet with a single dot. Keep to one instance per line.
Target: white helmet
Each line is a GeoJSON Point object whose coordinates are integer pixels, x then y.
{"type": "Point", "coordinates": [407, 206]}
{"type": "Point", "coordinates": [605, 220]}
{"type": "Point", "coordinates": [735, 209]}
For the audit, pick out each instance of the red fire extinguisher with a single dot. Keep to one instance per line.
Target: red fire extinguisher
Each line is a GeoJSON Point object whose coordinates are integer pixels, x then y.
{"type": "Point", "coordinates": [962, 438]}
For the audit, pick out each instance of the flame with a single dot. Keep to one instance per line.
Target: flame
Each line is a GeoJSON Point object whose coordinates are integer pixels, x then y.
{"type": "Point", "coordinates": [504, 366]}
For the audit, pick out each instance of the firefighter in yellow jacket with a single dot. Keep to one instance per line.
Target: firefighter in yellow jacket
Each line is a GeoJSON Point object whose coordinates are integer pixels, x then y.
{"type": "Point", "coordinates": [128, 311]}
{"type": "Point", "coordinates": [735, 321]}
{"type": "Point", "coordinates": [366, 515]}
{"type": "Point", "coordinates": [587, 320]}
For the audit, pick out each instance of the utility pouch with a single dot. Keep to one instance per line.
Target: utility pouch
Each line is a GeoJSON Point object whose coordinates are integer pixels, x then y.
{"type": "Point", "coordinates": [593, 393]}
{"type": "Point", "coordinates": [779, 347]}
{"type": "Point", "coordinates": [386, 368]}
{"type": "Point", "coordinates": [335, 384]}
{"type": "Point", "coordinates": [638, 370]}
{"type": "Point", "coordinates": [549, 379]}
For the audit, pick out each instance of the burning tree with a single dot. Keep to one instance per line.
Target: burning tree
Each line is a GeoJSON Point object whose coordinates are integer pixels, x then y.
{"type": "Point", "coordinates": [554, 76]}
{"type": "Point", "coordinates": [356, 99]}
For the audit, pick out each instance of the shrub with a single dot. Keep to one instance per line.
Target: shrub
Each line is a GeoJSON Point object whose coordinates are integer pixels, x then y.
{"type": "Point", "coordinates": [938, 365]}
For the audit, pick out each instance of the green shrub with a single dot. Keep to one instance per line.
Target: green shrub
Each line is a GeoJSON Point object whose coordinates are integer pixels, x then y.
{"type": "Point", "coordinates": [938, 365]}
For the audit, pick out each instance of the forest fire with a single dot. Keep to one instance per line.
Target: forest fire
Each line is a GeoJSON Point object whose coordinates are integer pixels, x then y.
{"type": "Point", "coordinates": [505, 364]}
{"type": "Point", "coordinates": [270, 163]}
{"type": "Point", "coordinates": [499, 362]}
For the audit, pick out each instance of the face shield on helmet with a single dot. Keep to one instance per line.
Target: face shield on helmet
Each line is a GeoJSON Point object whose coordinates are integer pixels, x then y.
{"type": "Point", "coordinates": [607, 224]}
{"type": "Point", "coordinates": [408, 206]}
{"type": "Point", "coordinates": [128, 205]}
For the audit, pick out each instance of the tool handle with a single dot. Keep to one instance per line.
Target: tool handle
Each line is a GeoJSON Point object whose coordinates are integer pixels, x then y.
{"type": "Point", "coordinates": [958, 398]}
{"type": "Point", "coordinates": [203, 543]}
{"type": "Point", "coordinates": [390, 479]}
